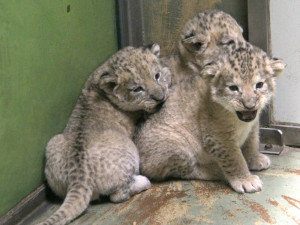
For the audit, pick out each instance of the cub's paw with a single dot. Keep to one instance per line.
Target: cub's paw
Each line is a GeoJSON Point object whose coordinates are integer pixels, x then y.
{"type": "Point", "coordinates": [141, 183]}
{"type": "Point", "coordinates": [259, 162]}
{"type": "Point", "coordinates": [250, 184]}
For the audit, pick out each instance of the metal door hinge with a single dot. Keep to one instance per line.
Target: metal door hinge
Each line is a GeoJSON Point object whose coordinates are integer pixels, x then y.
{"type": "Point", "coordinates": [271, 140]}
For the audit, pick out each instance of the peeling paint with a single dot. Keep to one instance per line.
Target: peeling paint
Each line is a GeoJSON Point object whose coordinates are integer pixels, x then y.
{"type": "Point", "coordinates": [279, 175]}
{"type": "Point", "coordinates": [206, 202]}
{"type": "Point", "coordinates": [258, 209]}
{"type": "Point", "coordinates": [292, 171]}
{"type": "Point", "coordinates": [228, 212]}
{"type": "Point", "coordinates": [292, 201]}
{"type": "Point", "coordinates": [258, 223]}
{"type": "Point", "coordinates": [273, 202]}
{"type": "Point", "coordinates": [154, 202]}
{"type": "Point", "coordinates": [284, 210]}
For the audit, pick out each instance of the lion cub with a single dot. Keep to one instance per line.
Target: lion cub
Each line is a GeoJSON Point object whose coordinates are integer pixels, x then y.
{"type": "Point", "coordinates": [95, 154]}
{"type": "Point", "coordinates": [202, 37]}
{"type": "Point", "coordinates": [208, 127]}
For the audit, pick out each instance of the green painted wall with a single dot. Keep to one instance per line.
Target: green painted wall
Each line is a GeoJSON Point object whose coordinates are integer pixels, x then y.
{"type": "Point", "coordinates": [47, 50]}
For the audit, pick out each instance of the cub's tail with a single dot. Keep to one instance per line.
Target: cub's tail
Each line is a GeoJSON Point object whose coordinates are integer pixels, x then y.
{"type": "Point", "coordinates": [76, 201]}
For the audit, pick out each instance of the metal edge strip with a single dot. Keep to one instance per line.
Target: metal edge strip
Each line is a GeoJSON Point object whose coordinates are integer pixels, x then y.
{"type": "Point", "coordinates": [25, 207]}
{"type": "Point", "coordinates": [130, 23]}
{"type": "Point", "coordinates": [259, 35]}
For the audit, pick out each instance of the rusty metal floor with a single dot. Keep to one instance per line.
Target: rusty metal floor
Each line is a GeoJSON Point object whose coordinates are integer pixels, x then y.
{"type": "Point", "coordinates": [200, 202]}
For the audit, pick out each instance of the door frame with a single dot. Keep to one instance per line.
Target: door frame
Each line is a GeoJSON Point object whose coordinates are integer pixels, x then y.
{"type": "Point", "coordinates": [259, 13]}
{"type": "Point", "coordinates": [130, 23]}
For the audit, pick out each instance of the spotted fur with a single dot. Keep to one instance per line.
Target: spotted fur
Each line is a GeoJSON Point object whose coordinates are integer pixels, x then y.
{"type": "Point", "coordinates": [95, 154]}
{"type": "Point", "coordinates": [201, 39]}
{"type": "Point", "coordinates": [208, 127]}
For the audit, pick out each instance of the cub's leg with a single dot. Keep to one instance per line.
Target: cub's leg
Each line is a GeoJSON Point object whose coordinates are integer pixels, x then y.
{"type": "Point", "coordinates": [116, 167]}
{"type": "Point", "coordinates": [137, 184]}
{"type": "Point", "coordinates": [56, 164]}
{"type": "Point", "coordinates": [230, 159]}
{"type": "Point", "coordinates": [250, 149]}
{"type": "Point", "coordinates": [171, 156]}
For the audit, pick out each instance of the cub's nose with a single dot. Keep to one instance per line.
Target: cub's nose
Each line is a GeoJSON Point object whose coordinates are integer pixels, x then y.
{"type": "Point", "coordinates": [158, 95]}
{"type": "Point", "coordinates": [249, 105]}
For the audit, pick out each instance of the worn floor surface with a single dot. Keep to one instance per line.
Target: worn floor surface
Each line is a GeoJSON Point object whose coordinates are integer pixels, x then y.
{"type": "Point", "coordinates": [201, 202]}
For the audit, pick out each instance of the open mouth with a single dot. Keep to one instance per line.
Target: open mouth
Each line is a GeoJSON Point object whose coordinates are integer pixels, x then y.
{"type": "Point", "coordinates": [246, 116]}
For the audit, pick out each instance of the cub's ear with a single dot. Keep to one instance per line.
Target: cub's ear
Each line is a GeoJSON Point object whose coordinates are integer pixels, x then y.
{"type": "Point", "coordinates": [154, 48]}
{"type": "Point", "coordinates": [167, 75]}
{"type": "Point", "coordinates": [107, 82]}
{"type": "Point", "coordinates": [240, 28]}
{"type": "Point", "coordinates": [210, 70]}
{"type": "Point", "coordinates": [277, 66]}
{"type": "Point", "coordinates": [166, 71]}
{"type": "Point", "coordinates": [193, 43]}
{"type": "Point", "coordinates": [227, 40]}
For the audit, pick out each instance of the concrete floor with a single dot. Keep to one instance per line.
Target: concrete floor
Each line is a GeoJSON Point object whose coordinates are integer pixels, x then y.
{"type": "Point", "coordinates": [201, 202]}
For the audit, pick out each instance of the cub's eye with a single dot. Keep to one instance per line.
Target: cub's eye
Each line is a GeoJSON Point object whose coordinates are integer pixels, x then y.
{"type": "Point", "coordinates": [189, 36]}
{"type": "Point", "coordinates": [138, 89]}
{"type": "Point", "coordinates": [198, 45]}
{"type": "Point", "coordinates": [233, 88]}
{"type": "Point", "coordinates": [111, 85]}
{"type": "Point", "coordinates": [230, 42]}
{"type": "Point", "coordinates": [259, 85]}
{"type": "Point", "coordinates": [157, 76]}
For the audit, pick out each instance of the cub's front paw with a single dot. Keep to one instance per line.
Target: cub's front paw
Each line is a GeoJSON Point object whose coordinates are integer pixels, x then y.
{"type": "Point", "coordinates": [250, 184]}
{"type": "Point", "coordinates": [259, 162]}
